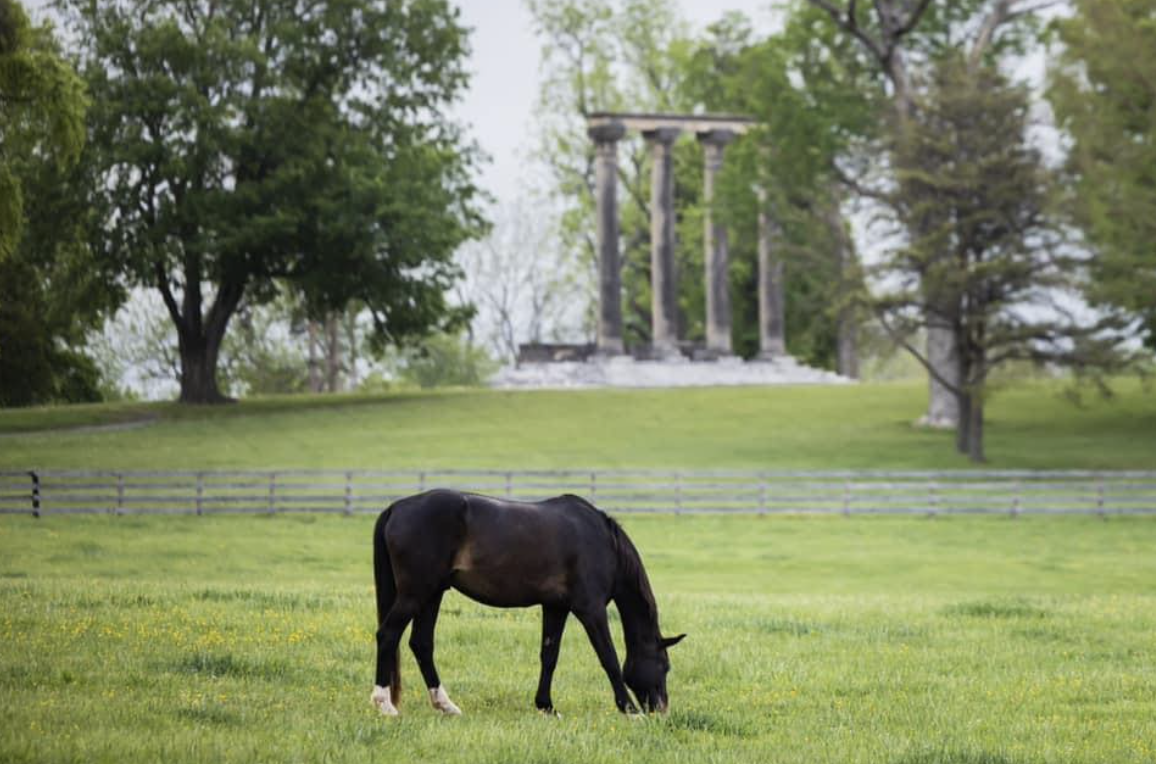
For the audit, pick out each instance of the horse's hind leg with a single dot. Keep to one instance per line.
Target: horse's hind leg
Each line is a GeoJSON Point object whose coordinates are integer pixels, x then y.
{"type": "Point", "coordinates": [421, 641]}
{"type": "Point", "coordinates": [388, 638]}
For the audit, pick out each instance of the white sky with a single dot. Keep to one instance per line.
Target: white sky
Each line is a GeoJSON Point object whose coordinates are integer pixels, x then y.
{"type": "Point", "coordinates": [499, 106]}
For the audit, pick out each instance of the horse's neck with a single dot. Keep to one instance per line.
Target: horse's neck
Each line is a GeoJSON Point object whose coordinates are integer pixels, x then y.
{"type": "Point", "coordinates": [639, 617]}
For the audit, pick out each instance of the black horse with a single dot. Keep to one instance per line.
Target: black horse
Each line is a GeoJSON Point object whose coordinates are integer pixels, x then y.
{"type": "Point", "coordinates": [562, 554]}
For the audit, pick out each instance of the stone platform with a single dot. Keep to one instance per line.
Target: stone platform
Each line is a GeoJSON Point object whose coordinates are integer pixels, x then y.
{"type": "Point", "coordinates": [625, 371]}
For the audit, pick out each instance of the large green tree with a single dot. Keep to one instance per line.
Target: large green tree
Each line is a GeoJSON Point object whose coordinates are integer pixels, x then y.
{"type": "Point", "coordinates": [899, 40]}
{"type": "Point", "coordinates": [1104, 96]}
{"type": "Point", "coordinates": [52, 289]}
{"type": "Point", "coordinates": [42, 106]}
{"type": "Point", "coordinates": [246, 144]}
{"type": "Point", "coordinates": [988, 261]}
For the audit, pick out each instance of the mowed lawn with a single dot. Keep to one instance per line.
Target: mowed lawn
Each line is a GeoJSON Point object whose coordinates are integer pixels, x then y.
{"type": "Point", "coordinates": [1030, 425]}
{"type": "Point", "coordinates": [955, 640]}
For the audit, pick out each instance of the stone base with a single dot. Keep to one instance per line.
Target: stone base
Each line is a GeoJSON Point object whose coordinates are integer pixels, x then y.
{"type": "Point", "coordinates": [938, 423]}
{"type": "Point", "coordinates": [624, 371]}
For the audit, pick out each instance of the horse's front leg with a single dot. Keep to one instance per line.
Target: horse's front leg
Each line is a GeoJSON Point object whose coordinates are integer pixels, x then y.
{"type": "Point", "coordinates": [553, 623]}
{"type": "Point", "coordinates": [598, 629]}
{"type": "Point", "coordinates": [421, 641]}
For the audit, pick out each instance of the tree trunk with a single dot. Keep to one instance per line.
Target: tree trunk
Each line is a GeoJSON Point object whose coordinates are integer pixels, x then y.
{"type": "Point", "coordinates": [962, 428]}
{"type": "Point", "coordinates": [199, 336]}
{"type": "Point", "coordinates": [314, 361]}
{"type": "Point", "coordinates": [975, 431]}
{"type": "Point", "coordinates": [350, 327]}
{"type": "Point", "coordinates": [332, 355]}
{"type": "Point", "coordinates": [199, 371]}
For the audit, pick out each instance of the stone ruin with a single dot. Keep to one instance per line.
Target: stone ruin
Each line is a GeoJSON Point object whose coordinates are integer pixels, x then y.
{"type": "Point", "coordinates": [667, 362]}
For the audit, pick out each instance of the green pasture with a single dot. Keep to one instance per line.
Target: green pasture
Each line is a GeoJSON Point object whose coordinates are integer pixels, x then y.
{"type": "Point", "coordinates": [1031, 425]}
{"type": "Point", "coordinates": [957, 640]}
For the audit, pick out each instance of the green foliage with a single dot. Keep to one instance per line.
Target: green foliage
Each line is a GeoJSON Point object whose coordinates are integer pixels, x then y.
{"type": "Point", "coordinates": [858, 640]}
{"type": "Point", "coordinates": [243, 147]}
{"type": "Point", "coordinates": [986, 261]}
{"type": "Point", "coordinates": [1033, 425]}
{"type": "Point", "coordinates": [42, 105]}
{"type": "Point", "coordinates": [1104, 98]}
{"type": "Point", "coordinates": [51, 287]}
{"type": "Point", "coordinates": [446, 360]}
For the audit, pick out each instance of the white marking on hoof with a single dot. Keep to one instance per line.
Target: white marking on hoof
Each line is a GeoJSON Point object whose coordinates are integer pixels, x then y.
{"type": "Point", "coordinates": [441, 701]}
{"type": "Point", "coordinates": [381, 699]}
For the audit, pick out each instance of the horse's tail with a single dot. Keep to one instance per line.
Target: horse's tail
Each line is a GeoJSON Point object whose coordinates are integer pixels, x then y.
{"type": "Point", "coordinates": [386, 594]}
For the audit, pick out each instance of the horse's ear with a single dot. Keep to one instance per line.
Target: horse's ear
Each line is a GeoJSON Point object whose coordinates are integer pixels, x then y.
{"type": "Point", "coordinates": [672, 641]}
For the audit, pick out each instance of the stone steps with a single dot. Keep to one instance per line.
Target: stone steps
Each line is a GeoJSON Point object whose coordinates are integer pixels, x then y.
{"type": "Point", "coordinates": [624, 371]}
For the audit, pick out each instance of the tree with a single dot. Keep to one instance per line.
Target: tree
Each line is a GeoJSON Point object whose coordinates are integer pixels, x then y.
{"type": "Point", "coordinates": [1104, 95]}
{"type": "Point", "coordinates": [986, 262]}
{"type": "Point", "coordinates": [519, 280]}
{"type": "Point", "coordinates": [245, 145]}
{"type": "Point", "coordinates": [898, 37]}
{"type": "Point", "coordinates": [52, 288]}
{"type": "Point", "coordinates": [42, 104]}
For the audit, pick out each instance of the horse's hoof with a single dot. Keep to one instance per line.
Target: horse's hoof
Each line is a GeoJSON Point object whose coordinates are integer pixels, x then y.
{"type": "Point", "coordinates": [382, 700]}
{"type": "Point", "coordinates": [550, 712]}
{"type": "Point", "coordinates": [441, 701]}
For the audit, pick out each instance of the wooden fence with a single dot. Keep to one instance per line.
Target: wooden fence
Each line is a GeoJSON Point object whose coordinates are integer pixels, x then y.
{"type": "Point", "coordinates": [688, 491]}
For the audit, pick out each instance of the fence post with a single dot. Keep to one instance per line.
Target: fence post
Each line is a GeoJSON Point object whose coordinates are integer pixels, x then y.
{"type": "Point", "coordinates": [762, 495]}
{"type": "Point", "coordinates": [678, 493]}
{"type": "Point", "coordinates": [593, 487]}
{"type": "Point", "coordinates": [1100, 498]}
{"type": "Point", "coordinates": [421, 482]}
{"type": "Point", "coordinates": [348, 493]}
{"type": "Point", "coordinates": [1015, 510]}
{"type": "Point", "coordinates": [200, 492]}
{"type": "Point", "coordinates": [509, 485]}
{"type": "Point", "coordinates": [272, 493]}
{"type": "Point", "coordinates": [119, 494]}
{"type": "Point", "coordinates": [932, 499]}
{"type": "Point", "coordinates": [846, 498]}
{"type": "Point", "coordinates": [35, 493]}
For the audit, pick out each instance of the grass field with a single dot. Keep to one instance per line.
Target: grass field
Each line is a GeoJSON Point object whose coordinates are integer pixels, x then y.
{"type": "Point", "coordinates": [865, 426]}
{"type": "Point", "coordinates": [812, 639]}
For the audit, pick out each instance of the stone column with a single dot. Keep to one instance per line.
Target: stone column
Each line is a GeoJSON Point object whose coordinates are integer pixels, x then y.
{"type": "Point", "coordinates": [605, 139]}
{"type": "Point", "coordinates": [772, 333]}
{"type": "Point", "coordinates": [718, 300]}
{"type": "Point", "coordinates": [663, 292]}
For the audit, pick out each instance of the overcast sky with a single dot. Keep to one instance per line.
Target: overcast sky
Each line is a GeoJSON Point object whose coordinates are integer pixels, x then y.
{"type": "Point", "coordinates": [499, 106]}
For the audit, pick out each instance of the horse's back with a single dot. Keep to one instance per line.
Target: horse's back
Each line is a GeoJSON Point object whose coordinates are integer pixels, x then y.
{"type": "Point", "coordinates": [500, 552]}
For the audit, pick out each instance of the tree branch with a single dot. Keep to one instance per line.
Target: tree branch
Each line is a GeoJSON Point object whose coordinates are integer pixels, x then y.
{"type": "Point", "coordinates": [167, 294]}
{"type": "Point", "coordinates": [849, 24]}
{"type": "Point", "coordinates": [857, 187]}
{"type": "Point", "coordinates": [901, 340]}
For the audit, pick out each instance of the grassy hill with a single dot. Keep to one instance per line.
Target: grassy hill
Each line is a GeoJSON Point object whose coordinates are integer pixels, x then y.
{"type": "Point", "coordinates": [1032, 425]}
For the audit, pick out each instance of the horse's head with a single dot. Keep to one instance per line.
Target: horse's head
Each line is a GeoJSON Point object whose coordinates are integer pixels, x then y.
{"type": "Point", "coordinates": [645, 673]}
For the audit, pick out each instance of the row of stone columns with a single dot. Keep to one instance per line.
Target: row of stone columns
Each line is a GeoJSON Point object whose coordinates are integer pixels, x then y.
{"type": "Point", "coordinates": [664, 294]}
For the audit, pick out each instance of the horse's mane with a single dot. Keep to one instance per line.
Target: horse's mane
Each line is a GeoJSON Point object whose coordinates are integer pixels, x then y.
{"type": "Point", "coordinates": [630, 567]}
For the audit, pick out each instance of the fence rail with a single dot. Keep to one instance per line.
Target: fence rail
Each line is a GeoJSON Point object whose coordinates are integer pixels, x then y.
{"type": "Point", "coordinates": [686, 491]}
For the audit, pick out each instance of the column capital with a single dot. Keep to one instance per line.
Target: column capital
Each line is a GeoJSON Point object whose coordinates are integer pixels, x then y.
{"type": "Point", "coordinates": [608, 133]}
{"type": "Point", "coordinates": [716, 137]}
{"type": "Point", "coordinates": [664, 135]}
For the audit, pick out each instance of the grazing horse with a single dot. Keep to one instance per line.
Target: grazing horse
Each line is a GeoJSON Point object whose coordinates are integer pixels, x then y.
{"type": "Point", "coordinates": [562, 554]}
